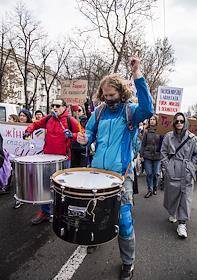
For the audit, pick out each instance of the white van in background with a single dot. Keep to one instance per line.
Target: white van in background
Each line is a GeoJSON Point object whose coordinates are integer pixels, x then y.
{"type": "Point", "coordinates": [7, 109]}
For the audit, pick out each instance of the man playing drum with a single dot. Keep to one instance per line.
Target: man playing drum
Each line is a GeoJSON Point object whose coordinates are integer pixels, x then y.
{"type": "Point", "coordinates": [57, 141]}
{"type": "Point", "coordinates": [114, 148]}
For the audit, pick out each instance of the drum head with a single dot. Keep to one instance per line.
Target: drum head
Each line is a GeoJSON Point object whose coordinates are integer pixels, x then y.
{"type": "Point", "coordinates": [40, 158]}
{"type": "Point", "coordinates": [86, 180]}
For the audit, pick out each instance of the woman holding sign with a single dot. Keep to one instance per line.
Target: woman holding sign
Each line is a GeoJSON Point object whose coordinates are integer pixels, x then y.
{"type": "Point", "coordinates": [179, 161]}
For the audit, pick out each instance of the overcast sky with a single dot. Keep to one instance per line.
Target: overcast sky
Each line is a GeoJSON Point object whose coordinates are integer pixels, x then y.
{"type": "Point", "coordinates": [179, 24]}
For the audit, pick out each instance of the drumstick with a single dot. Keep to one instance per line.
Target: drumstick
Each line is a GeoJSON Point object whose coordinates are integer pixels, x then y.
{"type": "Point", "coordinates": [79, 125]}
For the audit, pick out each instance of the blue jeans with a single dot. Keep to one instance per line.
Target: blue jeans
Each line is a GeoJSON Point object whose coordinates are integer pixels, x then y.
{"type": "Point", "coordinates": [47, 207]}
{"type": "Point", "coordinates": [152, 168]}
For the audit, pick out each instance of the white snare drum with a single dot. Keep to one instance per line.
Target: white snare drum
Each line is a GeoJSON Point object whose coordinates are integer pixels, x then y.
{"type": "Point", "coordinates": [33, 177]}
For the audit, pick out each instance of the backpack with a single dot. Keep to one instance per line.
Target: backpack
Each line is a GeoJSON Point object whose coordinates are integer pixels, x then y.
{"type": "Point", "coordinates": [128, 114]}
{"type": "Point", "coordinates": [67, 118]}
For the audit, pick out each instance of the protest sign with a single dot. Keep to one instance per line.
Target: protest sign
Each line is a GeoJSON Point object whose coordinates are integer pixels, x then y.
{"type": "Point", "coordinates": [169, 100]}
{"type": "Point", "coordinates": [74, 91]}
{"type": "Point", "coordinates": [13, 142]}
{"type": "Point", "coordinates": [165, 124]}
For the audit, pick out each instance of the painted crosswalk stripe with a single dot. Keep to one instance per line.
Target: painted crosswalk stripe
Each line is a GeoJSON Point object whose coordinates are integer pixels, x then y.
{"type": "Point", "coordinates": [73, 263]}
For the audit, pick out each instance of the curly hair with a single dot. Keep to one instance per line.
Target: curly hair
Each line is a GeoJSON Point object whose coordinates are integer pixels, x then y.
{"type": "Point", "coordinates": [118, 83]}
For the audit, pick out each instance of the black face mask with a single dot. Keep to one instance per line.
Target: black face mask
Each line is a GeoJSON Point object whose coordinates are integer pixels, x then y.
{"type": "Point", "coordinates": [113, 104]}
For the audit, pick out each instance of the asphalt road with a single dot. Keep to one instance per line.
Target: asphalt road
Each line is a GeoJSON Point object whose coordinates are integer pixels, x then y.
{"type": "Point", "coordinates": [35, 253]}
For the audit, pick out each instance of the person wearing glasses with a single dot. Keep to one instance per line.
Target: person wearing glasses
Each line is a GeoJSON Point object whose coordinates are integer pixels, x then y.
{"type": "Point", "coordinates": [179, 162]}
{"type": "Point", "coordinates": [57, 141]}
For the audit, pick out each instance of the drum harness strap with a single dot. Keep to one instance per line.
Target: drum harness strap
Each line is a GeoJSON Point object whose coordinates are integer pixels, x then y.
{"type": "Point", "coordinates": [68, 122]}
{"type": "Point", "coordinates": [93, 201]}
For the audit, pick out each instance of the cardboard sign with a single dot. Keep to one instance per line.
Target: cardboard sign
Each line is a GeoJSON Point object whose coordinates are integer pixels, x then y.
{"type": "Point", "coordinates": [165, 124]}
{"type": "Point", "coordinates": [74, 91]}
{"type": "Point", "coordinates": [169, 100]}
{"type": "Point", "coordinates": [13, 142]}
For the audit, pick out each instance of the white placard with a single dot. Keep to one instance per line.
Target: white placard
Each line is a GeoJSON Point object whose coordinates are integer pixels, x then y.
{"type": "Point", "coordinates": [169, 100]}
{"type": "Point", "coordinates": [13, 140]}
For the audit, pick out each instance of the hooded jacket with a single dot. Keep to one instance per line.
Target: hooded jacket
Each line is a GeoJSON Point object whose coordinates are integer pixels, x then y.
{"type": "Point", "coordinates": [179, 171]}
{"type": "Point", "coordinates": [114, 150]}
{"type": "Point", "coordinates": [55, 139]}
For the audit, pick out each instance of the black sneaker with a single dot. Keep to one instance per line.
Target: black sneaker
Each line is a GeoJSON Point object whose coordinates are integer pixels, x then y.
{"type": "Point", "coordinates": [149, 193]}
{"type": "Point", "coordinates": [154, 191]}
{"type": "Point", "coordinates": [40, 218]}
{"type": "Point", "coordinates": [126, 272]}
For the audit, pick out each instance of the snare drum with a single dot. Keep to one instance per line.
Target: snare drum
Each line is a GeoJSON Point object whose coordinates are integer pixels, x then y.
{"type": "Point", "coordinates": [33, 177]}
{"type": "Point", "coordinates": [86, 205]}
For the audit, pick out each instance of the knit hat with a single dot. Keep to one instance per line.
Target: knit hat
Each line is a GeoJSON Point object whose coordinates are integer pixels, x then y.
{"type": "Point", "coordinates": [74, 107]}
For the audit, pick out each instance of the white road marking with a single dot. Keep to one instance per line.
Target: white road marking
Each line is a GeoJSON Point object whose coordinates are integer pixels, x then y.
{"type": "Point", "coordinates": [73, 263]}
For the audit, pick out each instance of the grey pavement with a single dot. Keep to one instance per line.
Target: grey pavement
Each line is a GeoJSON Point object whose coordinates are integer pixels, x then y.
{"type": "Point", "coordinates": [34, 252]}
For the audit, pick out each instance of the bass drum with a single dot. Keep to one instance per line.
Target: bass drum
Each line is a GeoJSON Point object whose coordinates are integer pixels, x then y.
{"type": "Point", "coordinates": [33, 177]}
{"type": "Point", "coordinates": [86, 205]}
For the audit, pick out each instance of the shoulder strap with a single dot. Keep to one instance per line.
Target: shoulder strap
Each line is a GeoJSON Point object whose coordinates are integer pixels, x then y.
{"type": "Point", "coordinates": [47, 119]}
{"type": "Point", "coordinates": [98, 112]}
{"type": "Point", "coordinates": [69, 123]}
{"type": "Point", "coordinates": [128, 115]}
{"type": "Point", "coordinates": [179, 147]}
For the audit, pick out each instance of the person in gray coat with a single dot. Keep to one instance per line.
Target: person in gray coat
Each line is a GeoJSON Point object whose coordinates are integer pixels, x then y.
{"type": "Point", "coordinates": [179, 162]}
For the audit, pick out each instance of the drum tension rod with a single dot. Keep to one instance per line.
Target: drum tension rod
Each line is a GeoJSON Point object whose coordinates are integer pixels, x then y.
{"type": "Point", "coordinates": [62, 194]}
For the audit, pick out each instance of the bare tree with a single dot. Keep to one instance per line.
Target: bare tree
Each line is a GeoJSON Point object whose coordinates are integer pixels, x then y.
{"type": "Point", "coordinates": [58, 55]}
{"type": "Point", "coordinates": [12, 81]}
{"type": "Point", "coordinates": [158, 61]}
{"type": "Point", "coordinates": [116, 20]}
{"type": "Point", "coordinates": [28, 35]}
{"type": "Point", "coordinates": [89, 64]}
{"type": "Point", "coordinates": [4, 55]}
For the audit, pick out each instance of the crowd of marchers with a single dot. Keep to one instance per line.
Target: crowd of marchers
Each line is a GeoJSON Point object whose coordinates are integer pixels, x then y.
{"type": "Point", "coordinates": [118, 135]}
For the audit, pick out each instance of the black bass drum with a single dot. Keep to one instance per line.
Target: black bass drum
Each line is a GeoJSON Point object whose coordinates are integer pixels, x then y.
{"type": "Point", "coordinates": [86, 205]}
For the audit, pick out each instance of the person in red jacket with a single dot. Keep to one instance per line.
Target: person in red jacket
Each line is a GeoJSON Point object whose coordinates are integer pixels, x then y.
{"type": "Point", "coordinates": [58, 139]}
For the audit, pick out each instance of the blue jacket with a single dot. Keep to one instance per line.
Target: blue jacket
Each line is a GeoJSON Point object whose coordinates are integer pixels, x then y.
{"type": "Point", "coordinates": [113, 138]}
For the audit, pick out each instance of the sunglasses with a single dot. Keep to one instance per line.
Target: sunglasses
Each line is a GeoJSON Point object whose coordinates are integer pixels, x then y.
{"type": "Point", "coordinates": [54, 105]}
{"type": "Point", "coordinates": [179, 121]}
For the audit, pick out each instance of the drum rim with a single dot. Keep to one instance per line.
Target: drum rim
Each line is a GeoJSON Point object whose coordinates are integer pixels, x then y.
{"type": "Point", "coordinates": [40, 162]}
{"type": "Point", "coordinates": [86, 169]}
{"type": "Point", "coordinates": [87, 195]}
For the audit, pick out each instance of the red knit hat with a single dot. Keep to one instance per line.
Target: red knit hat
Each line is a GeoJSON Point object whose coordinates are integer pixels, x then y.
{"type": "Point", "coordinates": [75, 108]}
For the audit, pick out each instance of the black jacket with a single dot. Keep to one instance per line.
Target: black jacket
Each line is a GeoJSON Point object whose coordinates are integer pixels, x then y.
{"type": "Point", "coordinates": [151, 144]}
